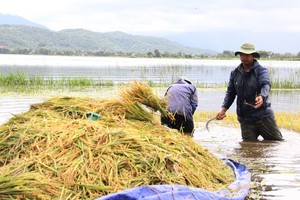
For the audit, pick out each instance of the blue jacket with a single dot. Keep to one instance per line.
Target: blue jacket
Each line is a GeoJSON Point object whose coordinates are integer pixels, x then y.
{"type": "Point", "coordinates": [246, 86]}
{"type": "Point", "coordinates": [182, 98]}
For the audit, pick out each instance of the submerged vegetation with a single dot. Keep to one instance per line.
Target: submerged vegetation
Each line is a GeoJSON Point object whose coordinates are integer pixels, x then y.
{"type": "Point", "coordinates": [54, 151]}
{"type": "Point", "coordinates": [285, 84]}
{"type": "Point", "coordinates": [20, 79]}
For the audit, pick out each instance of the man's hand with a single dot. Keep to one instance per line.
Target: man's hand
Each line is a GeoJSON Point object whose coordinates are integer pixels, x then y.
{"type": "Point", "coordinates": [222, 114]}
{"type": "Point", "coordinates": [258, 102]}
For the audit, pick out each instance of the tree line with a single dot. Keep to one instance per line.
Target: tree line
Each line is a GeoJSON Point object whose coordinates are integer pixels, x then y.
{"type": "Point", "coordinates": [68, 52]}
{"type": "Point", "coordinates": [264, 54]}
{"type": "Point", "coordinates": [226, 54]}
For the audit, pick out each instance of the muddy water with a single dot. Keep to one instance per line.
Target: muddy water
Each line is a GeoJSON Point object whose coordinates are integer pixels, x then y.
{"type": "Point", "coordinates": [274, 166]}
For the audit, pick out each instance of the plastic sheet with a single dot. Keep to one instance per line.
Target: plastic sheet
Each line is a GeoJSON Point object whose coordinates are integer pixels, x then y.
{"type": "Point", "coordinates": [235, 191]}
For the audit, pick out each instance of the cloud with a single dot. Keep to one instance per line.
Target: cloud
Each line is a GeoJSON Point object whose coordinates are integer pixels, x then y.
{"type": "Point", "coordinates": [159, 18]}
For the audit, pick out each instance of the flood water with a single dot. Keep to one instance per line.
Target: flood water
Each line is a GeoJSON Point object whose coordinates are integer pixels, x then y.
{"type": "Point", "coordinates": [126, 69]}
{"type": "Point", "coordinates": [275, 166]}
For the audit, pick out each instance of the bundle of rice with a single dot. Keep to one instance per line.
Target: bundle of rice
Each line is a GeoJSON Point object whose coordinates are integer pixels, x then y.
{"type": "Point", "coordinates": [54, 152]}
{"type": "Point", "coordinates": [139, 92]}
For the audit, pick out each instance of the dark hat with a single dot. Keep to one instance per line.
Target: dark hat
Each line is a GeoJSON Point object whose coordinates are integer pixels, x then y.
{"type": "Point", "coordinates": [186, 79]}
{"type": "Point", "coordinates": [248, 48]}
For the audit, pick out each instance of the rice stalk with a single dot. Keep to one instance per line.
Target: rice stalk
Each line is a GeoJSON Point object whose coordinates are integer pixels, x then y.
{"type": "Point", "coordinates": [142, 93]}
{"type": "Point", "coordinates": [71, 157]}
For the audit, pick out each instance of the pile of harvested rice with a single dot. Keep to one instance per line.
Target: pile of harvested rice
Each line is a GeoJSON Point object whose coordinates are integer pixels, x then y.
{"type": "Point", "coordinates": [54, 152]}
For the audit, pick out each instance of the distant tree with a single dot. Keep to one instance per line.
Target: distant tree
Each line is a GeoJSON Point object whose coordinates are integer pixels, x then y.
{"type": "Point", "coordinates": [4, 50]}
{"type": "Point", "coordinates": [265, 54]}
{"type": "Point", "coordinates": [44, 51]}
{"type": "Point", "coordinates": [99, 53]}
{"type": "Point", "coordinates": [180, 55]}
{"type": "Point", "coordinates": [40, 45]}
{"type": "Point", "coordinates": [188, 56]}
{"type": "Point", "coordinates": [166, 54]}
{"type": "Point", "coordinates": [288, 55]}
{"type": "Point", "coordinates": [227, 53]}
{"type": "Point", "coordinates": [157, 54]}
{"type": "Point", "coordinates": [276, 55]}
{"type": "Point", "coordinates": [24, 51]}
{"type": "Point", "coordinates": [150, 54]}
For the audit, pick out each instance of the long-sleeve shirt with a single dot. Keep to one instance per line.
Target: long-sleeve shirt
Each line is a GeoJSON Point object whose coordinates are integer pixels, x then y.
{"type": "Point", "coordinates": [246, 86]}
{"type": "Point", "coordinates": [182, 98]}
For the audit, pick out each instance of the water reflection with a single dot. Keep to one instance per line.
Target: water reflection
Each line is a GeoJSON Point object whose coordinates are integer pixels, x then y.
{"type": "Point", "coordinates": [261, 149]}
{"type": "Point", "coordinates": [11, 105]}
{"type": "Point", "coordinates": [285, 100]}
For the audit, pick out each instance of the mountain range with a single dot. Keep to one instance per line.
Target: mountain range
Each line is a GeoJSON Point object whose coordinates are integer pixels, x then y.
{"type": "Point", "coordinates": [17, 32]}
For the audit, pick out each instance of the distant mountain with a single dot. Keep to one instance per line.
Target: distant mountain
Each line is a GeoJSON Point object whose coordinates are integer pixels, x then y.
{"type": "Point", "coordinates": [200, 42]}
{"type": "Point", "coordinates": [19, 36]}
{"type": "Point", "coordinates": [17, 32]}
{"type": "Point", "coordinates": [277, 42]}
{"type": "Point", "coordinates": [17, 20]}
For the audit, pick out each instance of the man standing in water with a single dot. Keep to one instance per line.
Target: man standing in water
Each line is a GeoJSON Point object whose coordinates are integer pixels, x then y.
{"type": "Point", "coordinates": [250, 82]}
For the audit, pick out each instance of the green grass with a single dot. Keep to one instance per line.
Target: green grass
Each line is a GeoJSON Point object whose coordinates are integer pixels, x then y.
{"type": "Point", "coordinates": [285, 84]}
{"type": "Point", "coordinates": [19, 79]}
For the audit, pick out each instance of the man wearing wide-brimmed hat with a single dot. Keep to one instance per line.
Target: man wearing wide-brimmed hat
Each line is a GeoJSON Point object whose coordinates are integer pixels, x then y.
{"type": "Point", "coordinates": [250, 82]}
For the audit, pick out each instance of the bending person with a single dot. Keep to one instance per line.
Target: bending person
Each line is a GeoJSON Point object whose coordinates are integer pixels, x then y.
{"type": "Point", "coordinates": [183, 101]}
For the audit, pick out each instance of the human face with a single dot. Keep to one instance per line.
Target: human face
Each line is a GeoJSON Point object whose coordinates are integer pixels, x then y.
{"type": "Point", "coordinates": [247, 60]}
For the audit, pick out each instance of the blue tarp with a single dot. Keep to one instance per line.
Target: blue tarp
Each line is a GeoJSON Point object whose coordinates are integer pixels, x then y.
{"type": "Point", "coordinates": [235, 191]}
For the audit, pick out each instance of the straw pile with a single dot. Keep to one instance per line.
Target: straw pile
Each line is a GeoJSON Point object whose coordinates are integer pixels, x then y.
{"type": "Point", "coordinates": [54, 152]}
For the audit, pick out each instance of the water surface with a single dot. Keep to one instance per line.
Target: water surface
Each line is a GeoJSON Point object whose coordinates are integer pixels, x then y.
{"type": "Point", "coordinates": [274, 166]}
{"type": "Point", "coordinates": [158, 70]}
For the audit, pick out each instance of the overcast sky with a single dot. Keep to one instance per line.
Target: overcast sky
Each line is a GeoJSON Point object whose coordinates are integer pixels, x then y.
{"type": "Point", "coordinates": [161, 17]}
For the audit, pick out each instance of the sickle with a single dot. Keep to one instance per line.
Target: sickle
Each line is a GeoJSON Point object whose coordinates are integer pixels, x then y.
{"type": "Point", "coordinates": [209, 122]}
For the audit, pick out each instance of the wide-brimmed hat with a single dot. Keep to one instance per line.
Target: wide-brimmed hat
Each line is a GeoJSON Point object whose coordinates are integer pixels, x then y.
{"type": "Point", "coordinates": [248, 48]}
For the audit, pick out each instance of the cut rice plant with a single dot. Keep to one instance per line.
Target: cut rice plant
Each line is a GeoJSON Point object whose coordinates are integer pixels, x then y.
{"type": "Point", "coordinates": [69, 156]}
{"type": "Point", "coordinates": [142, 93]}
